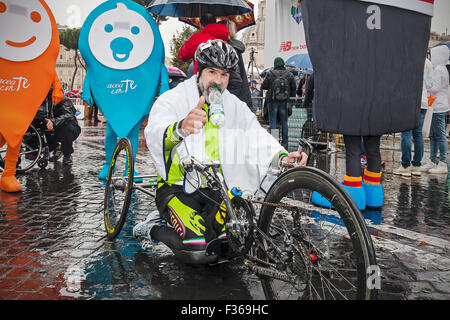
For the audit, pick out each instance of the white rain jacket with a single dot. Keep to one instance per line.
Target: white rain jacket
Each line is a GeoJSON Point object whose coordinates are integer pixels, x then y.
{"type": "Point", "coordinates": [438, 81]}
{"type": "Point", "coordinates": [426, 79]}
{"type": "Point", "coordinates": [246, 149]}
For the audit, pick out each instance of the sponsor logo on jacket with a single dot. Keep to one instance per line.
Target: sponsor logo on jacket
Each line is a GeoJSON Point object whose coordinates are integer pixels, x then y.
{"type": "Point", "coordinates": [14, 84]}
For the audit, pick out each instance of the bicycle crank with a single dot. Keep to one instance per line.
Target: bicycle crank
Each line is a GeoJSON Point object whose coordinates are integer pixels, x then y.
{"type": "Point", "coordinates": [240, 229]}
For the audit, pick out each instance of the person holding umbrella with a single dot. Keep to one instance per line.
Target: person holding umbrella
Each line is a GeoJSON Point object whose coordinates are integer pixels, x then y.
{"type": "Point", "coordinates": [209, 11]}
{"type": "Point", "coordinates": [209, 30]}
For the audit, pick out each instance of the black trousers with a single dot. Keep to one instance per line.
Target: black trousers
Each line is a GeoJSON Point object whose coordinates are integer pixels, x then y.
{"type": "Point", "coordinates": [353, 154]}
{"type": "Point", "coordinates": [205, 203]}
{"type": "Point", "coordinates": [93, 110]}
{"type": "Point", "coordinates": [66, 134]}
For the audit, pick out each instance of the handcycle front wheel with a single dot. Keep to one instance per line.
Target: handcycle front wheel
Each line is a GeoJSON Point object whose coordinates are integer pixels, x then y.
{"type": "Point", "coordinates": [328, 251]}
{"type": "Point", "coordinates": [119, 187]}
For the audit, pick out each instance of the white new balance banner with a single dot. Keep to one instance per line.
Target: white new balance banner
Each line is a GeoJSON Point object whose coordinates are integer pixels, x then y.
{"type": "Point", "coordinates": [285, 35]}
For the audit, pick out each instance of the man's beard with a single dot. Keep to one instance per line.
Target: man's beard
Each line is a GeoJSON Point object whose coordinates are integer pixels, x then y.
{"type": "Point", "coordinates": [205, 91]}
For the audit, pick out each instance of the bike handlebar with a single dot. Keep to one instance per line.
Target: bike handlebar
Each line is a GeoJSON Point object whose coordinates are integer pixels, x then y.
{"type": "Point", "coordinates": [306, 147]}
{"type": "Point", "coordinates": [189, 163]}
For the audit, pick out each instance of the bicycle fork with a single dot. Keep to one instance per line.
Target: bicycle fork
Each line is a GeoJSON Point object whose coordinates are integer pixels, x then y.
{"type": "Point", "coordinates": [232, 225]}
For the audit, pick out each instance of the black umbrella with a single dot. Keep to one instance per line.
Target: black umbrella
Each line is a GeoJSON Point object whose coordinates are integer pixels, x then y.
{"type": "Point", "coordinates": [198, 8]}
{"type": "Point", "coordinates": [241, 20]}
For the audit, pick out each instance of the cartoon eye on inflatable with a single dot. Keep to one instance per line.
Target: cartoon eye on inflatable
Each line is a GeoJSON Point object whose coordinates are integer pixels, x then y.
{"type": "Point", "coordinates": [121, 38]}
{"type": "Point", "coordinates": [26, 30]}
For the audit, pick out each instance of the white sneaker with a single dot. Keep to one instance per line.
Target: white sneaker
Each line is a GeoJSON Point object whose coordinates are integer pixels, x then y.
{"type": "Point", "coordinates": [416, 171]}
{"type": "Point", "coordinates": [441, 167]}
{"type": "Point", "coordinates": [427, 166]}
{"type": "Point", "coordinates": [141, 231]}
{"type": "Point", "coordinates": [405, 172]}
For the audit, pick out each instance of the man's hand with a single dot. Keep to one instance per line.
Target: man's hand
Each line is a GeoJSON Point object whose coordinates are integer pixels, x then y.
{"type": "Point", "coordinates": [299, 159]}
{"type": "Point", "coordinates": [49, 124]}
{"type": "Point", "coordinates": [196, 118]}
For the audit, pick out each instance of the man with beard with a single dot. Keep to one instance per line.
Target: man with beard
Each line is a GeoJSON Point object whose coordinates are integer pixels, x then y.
{"type": "Point", "coordinates": [180, 124]}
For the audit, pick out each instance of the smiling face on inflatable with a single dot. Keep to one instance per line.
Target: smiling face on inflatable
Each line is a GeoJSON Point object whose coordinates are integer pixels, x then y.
{"type": "Point", "coordinates": [29, 30]}
{"type": "Point", "coordinates": [121, 38]}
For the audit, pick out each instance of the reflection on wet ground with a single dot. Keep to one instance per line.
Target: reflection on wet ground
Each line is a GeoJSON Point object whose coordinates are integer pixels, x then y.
{"type": "Point", "coordinates": [53, 243]}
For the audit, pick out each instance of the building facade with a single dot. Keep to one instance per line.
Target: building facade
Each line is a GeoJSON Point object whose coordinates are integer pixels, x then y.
{"type": "Point", "coordinates": [65, 67]}
{"type": "Point", "coordinates": [253, 39]}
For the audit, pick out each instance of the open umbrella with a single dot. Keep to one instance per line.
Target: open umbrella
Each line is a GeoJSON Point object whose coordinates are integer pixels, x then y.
{"type": "Point", "coordinates": [197, 8]}
{"type": "Point", "coordinates": [300, 61]}
{"type": "Point", "coordinates": [241, 20]}
{"type": "Point", "coordinates": [175, 72]}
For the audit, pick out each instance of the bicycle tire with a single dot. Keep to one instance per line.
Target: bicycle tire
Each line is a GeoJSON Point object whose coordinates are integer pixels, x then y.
{"type": "Point", "coordinates": [25, 148]}
{"type": "Point", "coordinates": [310, 179]}
{"type": "Point", "coordinates": [113, 226]}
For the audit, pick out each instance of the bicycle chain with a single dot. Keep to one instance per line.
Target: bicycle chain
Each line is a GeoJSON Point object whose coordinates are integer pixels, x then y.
{"type": "Point", "coordinates": [256, 259]}
{"type": "Point", "coordinates": [271, 204]}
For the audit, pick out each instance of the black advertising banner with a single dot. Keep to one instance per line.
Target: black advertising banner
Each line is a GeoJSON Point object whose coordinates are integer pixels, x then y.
{"type": "Point", "coordinates": [368, 60]}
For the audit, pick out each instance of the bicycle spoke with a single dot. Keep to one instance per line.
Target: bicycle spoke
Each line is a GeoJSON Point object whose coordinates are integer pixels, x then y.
{"type": "Point", "coordinates": [330, 284]}
{"type": "Point", "coordinates": [311, 243]}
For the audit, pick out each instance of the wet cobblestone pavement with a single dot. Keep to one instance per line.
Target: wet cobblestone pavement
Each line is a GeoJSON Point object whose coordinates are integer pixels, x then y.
{"type": "Point", "coordinates": [52, 234]}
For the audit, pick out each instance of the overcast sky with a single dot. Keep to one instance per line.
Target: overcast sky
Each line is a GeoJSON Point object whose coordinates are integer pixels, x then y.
{"type": "Point", "coordinates": [73, 13]}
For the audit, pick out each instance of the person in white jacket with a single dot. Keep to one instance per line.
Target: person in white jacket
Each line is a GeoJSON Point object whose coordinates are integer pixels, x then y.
{"type": "Point", "coordinates": [438, 85]}
{"type": "Point", "coordinates": [414, 167]}
{"type": "Point", "coordinates": [180, 124]}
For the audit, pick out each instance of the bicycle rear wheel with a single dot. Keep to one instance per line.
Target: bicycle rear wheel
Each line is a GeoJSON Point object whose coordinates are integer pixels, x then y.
{"type": "Point", "coordinates": [326, 253]}
{"type": "Point", "coordinates": [119, 186]}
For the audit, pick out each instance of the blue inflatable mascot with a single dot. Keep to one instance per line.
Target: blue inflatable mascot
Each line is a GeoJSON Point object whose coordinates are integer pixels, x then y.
{"type": "Point", "coordinates": [123, 49]}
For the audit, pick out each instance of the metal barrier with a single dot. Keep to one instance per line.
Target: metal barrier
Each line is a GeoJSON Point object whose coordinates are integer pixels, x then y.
{"type": "Point", "coordinates": [300, 125]}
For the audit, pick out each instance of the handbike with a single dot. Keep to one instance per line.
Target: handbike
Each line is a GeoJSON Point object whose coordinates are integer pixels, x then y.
{"type": "Point", "coordinates": [297, 249]}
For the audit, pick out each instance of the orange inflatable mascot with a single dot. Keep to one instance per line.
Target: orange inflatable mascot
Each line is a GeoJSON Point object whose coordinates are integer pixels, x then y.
{"type": "Point", "coordinates": [29, 46]}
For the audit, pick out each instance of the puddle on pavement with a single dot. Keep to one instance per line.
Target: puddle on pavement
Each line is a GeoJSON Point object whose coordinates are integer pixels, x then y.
{"type": "Point", "coordinates": [120, 269]}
